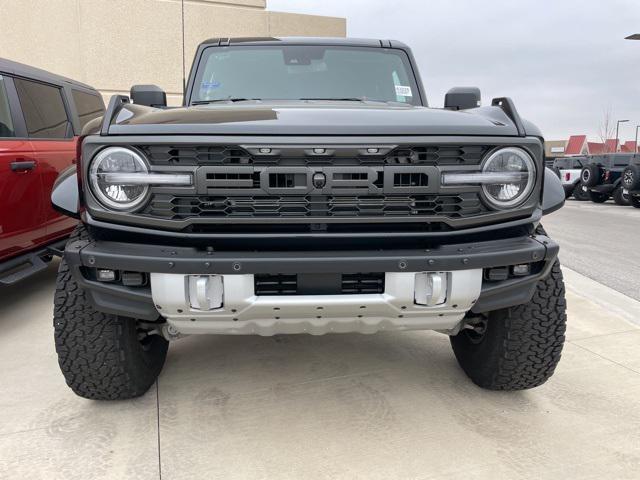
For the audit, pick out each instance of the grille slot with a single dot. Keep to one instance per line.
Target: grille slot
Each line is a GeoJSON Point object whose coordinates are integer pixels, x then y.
{"type": "Point", "coordinates": [338, 284]}
{"type": "Point", "coordinates": [314, 206]}
{"type": "Point", "coordinates": [413, 179]}
{"type": "Point", "coordinates": [362, 283]}
{"type": "Point", "coordinates": [266, 284]}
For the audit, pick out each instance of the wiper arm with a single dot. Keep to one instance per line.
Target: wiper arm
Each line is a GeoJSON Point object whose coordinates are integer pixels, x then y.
{"type": "Point", "coordinates": [228, 99]}
{"type": "Point", "coordinates": [347, 99]}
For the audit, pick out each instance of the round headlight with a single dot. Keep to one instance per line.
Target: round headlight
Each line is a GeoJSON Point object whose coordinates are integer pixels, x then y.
{"type": "Point", "coordinates": [515, 174]}
{"type": "Point", "coordinates": [112, 194]}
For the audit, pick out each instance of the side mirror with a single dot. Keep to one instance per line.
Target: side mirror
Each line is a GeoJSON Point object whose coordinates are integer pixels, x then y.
{"type": "Point", "coordinates": [149, 95]}
{"type": "Point", "coordinates": [461, 98]}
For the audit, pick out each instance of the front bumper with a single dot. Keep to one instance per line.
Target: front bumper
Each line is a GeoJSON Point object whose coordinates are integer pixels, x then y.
{"type": "Point", "coordinates": [169, 266]}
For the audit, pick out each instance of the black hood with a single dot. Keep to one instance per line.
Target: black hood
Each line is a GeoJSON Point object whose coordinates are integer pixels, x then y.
{"type": "Point", "coordinates": [310, 118]}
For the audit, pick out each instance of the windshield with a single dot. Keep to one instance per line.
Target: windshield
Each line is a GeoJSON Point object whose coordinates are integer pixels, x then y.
{"type": "Point", "coordinates": [291, 72]}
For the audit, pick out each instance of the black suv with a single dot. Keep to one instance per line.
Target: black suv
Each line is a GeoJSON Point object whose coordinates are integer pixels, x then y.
{"type": "Point", "coordinates": [602, 177]}
{"type": "Point", "coordinates": [306, 187]}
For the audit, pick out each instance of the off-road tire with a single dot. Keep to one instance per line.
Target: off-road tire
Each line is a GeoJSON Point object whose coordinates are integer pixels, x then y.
{"type": "Point", "coordinates": [99, 354]}
{"type": "Point", "coordinates": [590, 175]}
{"type": "Point", "coordinates": [579, 194]}
{"type": "Point", "coordinates": [521, 345]}
{"type": "Point", "coordinates": [631, 177]}
{"type": "Point", "coordinates": [597, 197]}
{"type": "Point", "coordinates": [620, 198]}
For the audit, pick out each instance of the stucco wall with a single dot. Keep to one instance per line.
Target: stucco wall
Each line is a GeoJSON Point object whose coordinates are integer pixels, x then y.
{"type": "Point", "coordinates": [114, 44]}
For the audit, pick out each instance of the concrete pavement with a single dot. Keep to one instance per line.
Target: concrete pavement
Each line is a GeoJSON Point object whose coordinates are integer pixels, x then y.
{"type": "Point", "coordinates": [387, 406]}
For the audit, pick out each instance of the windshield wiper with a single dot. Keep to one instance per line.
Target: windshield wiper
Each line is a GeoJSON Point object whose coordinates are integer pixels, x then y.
{"type": "Point", "coordinates": [346, 99]}
{"type": "Point", "coordinates": [218, 100]}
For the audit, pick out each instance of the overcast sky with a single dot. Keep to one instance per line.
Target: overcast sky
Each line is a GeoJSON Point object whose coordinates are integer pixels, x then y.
{"type": "Point", "coordinates": [562, 61]}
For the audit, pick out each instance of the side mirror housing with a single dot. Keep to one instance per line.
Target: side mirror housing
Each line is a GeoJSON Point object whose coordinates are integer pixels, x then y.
{"type": "Point", "coordinates": [462, 98]}
{"type": "Point", "coordinates": [149, 95]}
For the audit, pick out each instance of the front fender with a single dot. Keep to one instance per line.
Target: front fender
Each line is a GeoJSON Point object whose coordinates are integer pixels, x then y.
{"type": "Point", "coordinates": [65, 196]}
{"type": "Point", "coordinates": [553, 195]}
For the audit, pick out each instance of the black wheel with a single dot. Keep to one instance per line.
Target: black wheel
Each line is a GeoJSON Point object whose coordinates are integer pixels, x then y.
{"type": "Point", "coordinates": [631, 177]}
{"type": "Point", "coordinates": [519, 347]}
{"type": "Point", "coordinates": [581, 192]}
{"type": "Point", "coordinates": [102, 356]}
{"type": "Point", "coordinates": [621, 198]}
{"type": "Point", "coordinates": [590, 175]}
{"type": "Point", "coordinates": [596, 197]}
{"type": "Point", "coordinates": [635, 201]}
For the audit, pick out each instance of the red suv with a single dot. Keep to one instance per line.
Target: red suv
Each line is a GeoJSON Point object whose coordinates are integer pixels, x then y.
{"type": "Point", "coordinates": [41, 116]}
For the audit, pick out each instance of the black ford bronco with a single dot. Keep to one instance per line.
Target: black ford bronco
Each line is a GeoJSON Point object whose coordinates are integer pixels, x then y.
{"type": "Point", "coordinates": [602, 177]}
{"type": "Point", "coordinates": [305, 186]}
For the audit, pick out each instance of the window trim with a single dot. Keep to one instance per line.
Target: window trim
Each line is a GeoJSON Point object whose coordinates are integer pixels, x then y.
{"type": "Point", "coordinates": [65, 103]}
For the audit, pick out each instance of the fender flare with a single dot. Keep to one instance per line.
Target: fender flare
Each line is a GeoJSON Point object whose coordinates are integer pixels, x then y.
{"type": "Point", "coordinates": [553, 195]}
{"type": "Point", "coordinates": [65, 195]}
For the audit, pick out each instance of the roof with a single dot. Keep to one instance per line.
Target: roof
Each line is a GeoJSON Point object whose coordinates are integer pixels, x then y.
{"type": "Point", "coordinates": [339, 41]}
{"type": "Point", "coordinates": [611, 145]}
{"type": "Point", "coordinates": [595, 148]}
{"type": "Point", "coordinates": [575, 145]}
{"type": "Point", "coordinates": [22, 70]}
{"type": "Point", "coordinates": [629, 147]}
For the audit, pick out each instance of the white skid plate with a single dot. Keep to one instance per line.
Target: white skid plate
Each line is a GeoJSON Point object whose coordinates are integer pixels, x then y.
{"type": "Point", "coordinates": [244, 313]}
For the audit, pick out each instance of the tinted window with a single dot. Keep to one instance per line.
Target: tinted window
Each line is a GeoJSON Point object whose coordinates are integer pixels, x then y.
{"type": "Point", "coordinates": [43, 109]}
{"type": "Point", "coordinates": [292, 72]}
{"type": "Point", "coordinates": [89, 106]}
{"type": "Point", "coordinates": [6, 123]}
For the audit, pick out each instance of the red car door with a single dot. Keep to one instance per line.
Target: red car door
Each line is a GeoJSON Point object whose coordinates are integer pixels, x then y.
{"type": "Point", "coordinates": [51, 137]}
{"type": "Point", "coordinates": [53, 157]}
{"type": "Point", "coordinates": [21, 204]}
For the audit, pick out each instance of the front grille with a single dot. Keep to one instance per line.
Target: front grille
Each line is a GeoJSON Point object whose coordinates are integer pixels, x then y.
{"type": "Point", "coordinates": [314, 206]}
{"type": "Point", "coordinates": [321, 284]}
{"type": "Point", "coordinates": [223, 155]}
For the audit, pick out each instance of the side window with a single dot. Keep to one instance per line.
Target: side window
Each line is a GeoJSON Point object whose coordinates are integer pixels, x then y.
{"type": "Point", "coordinates": [43, 109]}
{"type": "Point", "coordinates": [6, 123]}
{"type": "Point", "coordinates": [89, 106]}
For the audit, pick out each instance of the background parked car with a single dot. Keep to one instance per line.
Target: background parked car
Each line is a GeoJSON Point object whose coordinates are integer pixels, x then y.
{"type": "Point", "coordinates": [569, 170]}
{"type": "Point", "coordinates": [603, 176]}
{"type": "Point", "coordinates": [41, 116]}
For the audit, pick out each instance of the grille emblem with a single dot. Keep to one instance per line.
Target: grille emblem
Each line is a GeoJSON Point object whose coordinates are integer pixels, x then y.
{"type": "Point", "coordinates": [319, 180]}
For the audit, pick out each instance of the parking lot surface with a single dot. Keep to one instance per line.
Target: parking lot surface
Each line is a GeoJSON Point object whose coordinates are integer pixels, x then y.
{"type": "Point", "coordinates": [386, 406]}
{"type": "Point", "coordinates": [600, 241]}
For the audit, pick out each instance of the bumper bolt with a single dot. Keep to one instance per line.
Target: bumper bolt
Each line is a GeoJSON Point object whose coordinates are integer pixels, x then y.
{"type": "Point", "coordinates": [431, 261]}
{"type": "Point", "coordinates": [92, 260]}
{"type": "Point", "coordinates": [237, 267]}
{"type": "Point", "coordinates": [402, 264]}
{"type": "Point", "coordinates": [171, 264]}
{"type": "Point", "coordinates": [465, 260]}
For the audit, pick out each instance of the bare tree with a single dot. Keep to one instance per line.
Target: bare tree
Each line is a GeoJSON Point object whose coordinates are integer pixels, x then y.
{"type": "Point", "coordinates": [606, 128]}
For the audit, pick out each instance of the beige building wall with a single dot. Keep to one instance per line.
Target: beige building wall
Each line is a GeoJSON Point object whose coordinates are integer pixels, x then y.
{"type": "Point", "coordinates": [113, 44]}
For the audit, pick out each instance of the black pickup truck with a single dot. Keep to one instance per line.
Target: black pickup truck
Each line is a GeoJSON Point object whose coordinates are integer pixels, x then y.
{"type": "Point", "coordinates": [305, 186]}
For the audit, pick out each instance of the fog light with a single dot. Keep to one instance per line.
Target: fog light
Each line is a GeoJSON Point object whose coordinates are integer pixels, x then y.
{"type": "Point", "coordinates": [430, 288]}
{"type": "Point", "coordinates": [205, 291]}
{"type": "Point", "coordinates": [497, 274]}
{"type": "Point", "coordinates": [104, 275]}
{"type": "Point", "coordinates": [521, 270]}
{"type": "Point", "coordinates": [319, 151]}
{"type": "Point", "coordinates": [373, 150]}
{"type": "Point", "coordinates": [265, 151]}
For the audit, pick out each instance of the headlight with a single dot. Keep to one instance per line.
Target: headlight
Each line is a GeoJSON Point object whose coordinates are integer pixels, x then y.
{"type": "Point", "coordinates": [514, 173]}
{"type": "Point", "coordinates": [120, 179]}
{"type": "Point", "coordinates": [507, 178]}
{"type": "Point", "coordinates": [113, 192]}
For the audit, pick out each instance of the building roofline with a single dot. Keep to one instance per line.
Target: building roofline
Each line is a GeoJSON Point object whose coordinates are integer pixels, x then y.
{"type": "Point", "coordinates": [21, 70]}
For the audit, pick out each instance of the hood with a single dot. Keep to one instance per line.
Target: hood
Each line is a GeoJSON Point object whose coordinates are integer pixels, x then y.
{"type": "Point", "coordinates": [309, 118]}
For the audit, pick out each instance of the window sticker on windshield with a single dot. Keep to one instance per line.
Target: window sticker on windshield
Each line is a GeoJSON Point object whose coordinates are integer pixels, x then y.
{"type": "Point", "coordinates": [210, 85]}
{"type": "Point", "coordinates": [403, 91]}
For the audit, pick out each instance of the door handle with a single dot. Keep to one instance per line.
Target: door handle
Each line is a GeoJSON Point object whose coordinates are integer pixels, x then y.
{"type": "Point", "coordinates": [23, 165]}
